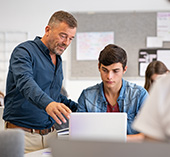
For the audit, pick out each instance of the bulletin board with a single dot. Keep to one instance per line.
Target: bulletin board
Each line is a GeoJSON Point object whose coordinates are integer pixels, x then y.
{"type": "Point", "coordinates": [130, 32]}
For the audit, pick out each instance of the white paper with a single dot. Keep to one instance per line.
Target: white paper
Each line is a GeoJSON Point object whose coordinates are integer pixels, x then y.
{"type": "Point", "coordinates": [89, 44]}
{"type": "Point", "coordinates": [143, 67]}
{"type": "Point", "coordinates": [154, 42]}
{"type": "Point", "coordinates": [164, 56]}
{"type": "Point", "coordinates": [163, 25]}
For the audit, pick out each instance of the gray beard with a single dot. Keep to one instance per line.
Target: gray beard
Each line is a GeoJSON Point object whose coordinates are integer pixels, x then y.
{"type": "Point", "coordinates": [56, 53]}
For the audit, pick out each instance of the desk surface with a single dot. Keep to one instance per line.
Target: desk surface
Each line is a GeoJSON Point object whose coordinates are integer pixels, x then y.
{"type": "Point", "coordinates": [40, 153]}
{"type": "Point", "coordinates": [100, 149]}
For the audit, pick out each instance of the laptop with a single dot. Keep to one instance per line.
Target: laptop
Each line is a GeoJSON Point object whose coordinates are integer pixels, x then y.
{"type": "Point", "coordinates": [98, 126]}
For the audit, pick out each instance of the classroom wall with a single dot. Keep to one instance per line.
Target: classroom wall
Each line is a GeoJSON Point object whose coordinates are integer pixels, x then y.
{"type": "Point", "coordinates": [32, 16]}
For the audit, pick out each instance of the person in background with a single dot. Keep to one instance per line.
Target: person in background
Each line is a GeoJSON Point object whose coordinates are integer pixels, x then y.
{"type": "Point", "coordinates": [154, 70]}
{"type": "Point", "coordinates": [154, 118]}
{"type": "Point", "coordinates": [114, 94]}
{"type": "Point", "coordinates": [33, 101]}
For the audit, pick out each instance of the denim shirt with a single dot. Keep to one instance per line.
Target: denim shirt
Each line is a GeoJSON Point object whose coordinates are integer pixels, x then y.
{"type": "Point", "coordinates": [33, 82]}
{"type": "Point", "coordinates": [130, 100]}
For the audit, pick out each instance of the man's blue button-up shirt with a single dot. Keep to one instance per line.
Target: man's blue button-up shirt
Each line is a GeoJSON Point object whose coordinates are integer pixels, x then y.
{"type": "Point", "coordinates": [33, 82]}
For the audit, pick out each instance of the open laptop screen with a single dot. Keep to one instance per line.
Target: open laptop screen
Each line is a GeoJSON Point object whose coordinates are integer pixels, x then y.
{"type": "Point", "coordinates": [98, 126]}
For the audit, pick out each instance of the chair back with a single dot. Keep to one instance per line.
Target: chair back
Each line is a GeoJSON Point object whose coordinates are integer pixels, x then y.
{"type": "Point", "coordinates": [12, 143]}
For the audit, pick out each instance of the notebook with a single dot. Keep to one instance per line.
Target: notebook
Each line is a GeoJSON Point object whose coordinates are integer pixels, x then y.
{"type": "Point", "coordinates": [98, 126]}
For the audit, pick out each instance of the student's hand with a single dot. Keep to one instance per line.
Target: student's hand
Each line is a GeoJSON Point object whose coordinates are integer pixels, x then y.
{"type": "Point", "coordinates": [135, 138]}
{"type": "Point", "coordinates": [55, 110]}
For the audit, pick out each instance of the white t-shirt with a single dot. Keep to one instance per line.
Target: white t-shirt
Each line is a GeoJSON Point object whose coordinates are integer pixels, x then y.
{"type": "Point", "coordinates": [154, 117]}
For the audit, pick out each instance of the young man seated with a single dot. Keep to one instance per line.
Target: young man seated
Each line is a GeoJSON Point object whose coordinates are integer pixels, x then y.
{"type": "Point", "coordinates": [114, 94]}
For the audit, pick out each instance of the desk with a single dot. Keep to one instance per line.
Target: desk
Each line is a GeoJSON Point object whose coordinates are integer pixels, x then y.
{"type": "Point", "coordinates": [72, 148]}
{"type": "Point", "coordinates": [78, 148]}
{"type": "Point", "coordinates": [40, 153]}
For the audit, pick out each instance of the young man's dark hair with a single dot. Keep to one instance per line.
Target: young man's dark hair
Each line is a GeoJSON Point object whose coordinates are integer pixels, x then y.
{"type": "Point", "coordinates": [112, 54]}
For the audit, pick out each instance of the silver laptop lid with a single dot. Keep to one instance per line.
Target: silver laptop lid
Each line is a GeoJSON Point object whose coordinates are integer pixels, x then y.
{"type": "Point", "coordinates": [98, 126]}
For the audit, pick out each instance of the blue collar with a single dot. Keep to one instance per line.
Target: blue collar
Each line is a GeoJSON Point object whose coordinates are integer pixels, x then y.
{"type": "Point", "coordinates": [41, 45]}
{"type": "Point", "coordinates": [121, 94]}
